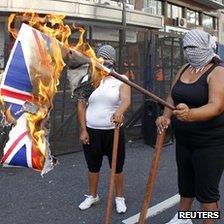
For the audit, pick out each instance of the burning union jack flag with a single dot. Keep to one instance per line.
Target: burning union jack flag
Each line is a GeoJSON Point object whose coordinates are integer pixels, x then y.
{"type": "Point", "coordinates": [26, 69]}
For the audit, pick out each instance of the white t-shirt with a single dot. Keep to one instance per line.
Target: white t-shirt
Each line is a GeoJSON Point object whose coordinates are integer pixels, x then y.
{"type": "Point", "coordinates": [103, 103]}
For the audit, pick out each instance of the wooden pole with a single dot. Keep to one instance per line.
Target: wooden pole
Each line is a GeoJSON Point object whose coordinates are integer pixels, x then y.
{"type": "Point", "coordinates": [82, 59]}
{"type": "Point", "coordinates": [152, 176]}
{"type": "Point", "coordinates": [107, 219]}
{"type": "Point", "coordinates": [142, 90]}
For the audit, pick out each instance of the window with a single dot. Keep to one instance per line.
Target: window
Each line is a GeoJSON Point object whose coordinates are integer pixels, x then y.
{"type": "Point", "coordinates": [192, 17]}
{"type": "Point", "coordinates": [152, 6]}
{"type": "Point", "coordinates": [159, 8]}
{"type": "Point", "coordinates": [208, 21]}
{"type": "Point", "coordinates": [174, 11]}
{"type": "Point", "coordinates": [132, 2]}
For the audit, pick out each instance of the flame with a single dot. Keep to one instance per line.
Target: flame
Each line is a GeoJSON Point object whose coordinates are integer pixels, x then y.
{"type": "Point", "coordinates": [47, 87]}
{"type": "Point", "coordinates": [9, 117]}
{"type": "Point", "coordinates": [13, 31]}
{"type": "Point", "coordinates": [86, 49]}
{"type": "Point", "coordinates": [51, 25]}
{"type": "Point", "coordinates": [46, 73]}
{"type": "Point", "coordinates": [52, 62]}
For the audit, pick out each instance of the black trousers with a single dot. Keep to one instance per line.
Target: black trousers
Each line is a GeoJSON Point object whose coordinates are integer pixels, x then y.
{"type": "Point", "coordinates": [101, 143]}
{"type": "Point", "coordinates": [199, 171]}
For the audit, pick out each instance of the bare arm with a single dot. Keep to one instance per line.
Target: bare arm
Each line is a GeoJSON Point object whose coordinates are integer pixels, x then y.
{"type": "Point", "coordinates": [81, 112]}
{"type": "Point", "coordinates": [215, 104]}
{"type": "Point", "coordinates": [125, 97]}
{"type": "Point", "coordinates": [168, 112]}
{"type": "Point", "coordinates": [163, 121]}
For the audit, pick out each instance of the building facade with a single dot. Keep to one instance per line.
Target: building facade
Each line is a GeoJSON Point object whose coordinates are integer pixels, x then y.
{"type": "Point", "coordinates": [180, 16]}
{"type": "Point", "coordinates": [102, 19]}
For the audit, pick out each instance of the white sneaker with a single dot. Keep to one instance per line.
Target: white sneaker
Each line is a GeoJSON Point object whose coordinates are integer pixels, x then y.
{"type": "Point", "coordinates": [120, 205]}
{"type": "Point", "coordinates": [89, 201]}
{"type": "Point", "coordinates": [175, 220]}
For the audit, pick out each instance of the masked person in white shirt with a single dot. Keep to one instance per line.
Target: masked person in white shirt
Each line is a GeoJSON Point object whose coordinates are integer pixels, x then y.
{"type": "Point", "coordinates": [99, 112]}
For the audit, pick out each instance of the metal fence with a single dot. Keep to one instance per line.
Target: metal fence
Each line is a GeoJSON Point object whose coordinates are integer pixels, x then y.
{"type": "Point", "coordinates": [167, 59]}
{"type": "Point", "coordinates": [151, 62]}
{"type": "Point", "coordinates": [64, 136]}
{"type": "Point", "coordinates": [149, 58]}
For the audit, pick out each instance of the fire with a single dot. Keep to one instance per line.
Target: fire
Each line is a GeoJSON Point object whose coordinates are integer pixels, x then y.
{"type": "Point", "coordinates": [5, 113]}
{"type": "Point", "coordinates": [51, 61]}
{"type": "Point", "coordinates": [9, 117]}
{"type": "Point", "coordinates": [12, 30]}
{"type": "Point", "coordinates": [85, 49]}
{"type": "Point", "coordinates": [47, 73]}
{"type": "Point", "coordinates": [47, 89]}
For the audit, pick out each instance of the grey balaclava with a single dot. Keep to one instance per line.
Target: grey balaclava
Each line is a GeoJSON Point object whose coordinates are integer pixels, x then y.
{"type": "Point", "coordinates": [199, 48]}
{"type": "Point", "coordinates": [108, 53]}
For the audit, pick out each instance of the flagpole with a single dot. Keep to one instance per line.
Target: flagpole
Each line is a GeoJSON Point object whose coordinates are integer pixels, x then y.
{"type": "Point", "coordinates": [107, 218]}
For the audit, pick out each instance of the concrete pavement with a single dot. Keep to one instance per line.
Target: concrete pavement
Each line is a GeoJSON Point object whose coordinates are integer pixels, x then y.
{"type": "Point", "coordinates": [27, 198]}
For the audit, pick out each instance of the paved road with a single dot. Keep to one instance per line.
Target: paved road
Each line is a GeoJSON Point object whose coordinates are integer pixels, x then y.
{"type": "Point", "coordinates": [26, 197]}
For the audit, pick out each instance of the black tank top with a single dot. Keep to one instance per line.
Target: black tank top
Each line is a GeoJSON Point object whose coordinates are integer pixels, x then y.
{"type": "Point", "coordinates": [200, 133]}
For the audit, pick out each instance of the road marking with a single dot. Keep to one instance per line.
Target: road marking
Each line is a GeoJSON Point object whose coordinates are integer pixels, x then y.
{"type": "Point", "coordinates": [155, 210]}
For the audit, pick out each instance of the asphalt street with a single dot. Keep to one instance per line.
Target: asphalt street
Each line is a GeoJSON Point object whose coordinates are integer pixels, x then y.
{"type": "Point", "coordinates": [28, 198]}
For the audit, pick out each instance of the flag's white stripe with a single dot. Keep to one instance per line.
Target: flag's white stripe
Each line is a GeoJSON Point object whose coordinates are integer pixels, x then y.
{"type": "Point", "coordinates": [21, 127]}
{"type": "Point", "coordinates": [13, 100]}
{"type": "Point", "coordinates": [16, 148]}
{"type": "Point", "coordinates": [29, 45]}
{"type": "Point", "coordinates": [16, 131]}
{"type": "Point", "coordinates": [29, 151]}
{"type": "Point", "coordinates": [155, 210]}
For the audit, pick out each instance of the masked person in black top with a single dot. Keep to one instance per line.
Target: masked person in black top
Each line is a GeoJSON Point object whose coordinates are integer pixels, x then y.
{"type": "Point", "coordinates": [197, 93]}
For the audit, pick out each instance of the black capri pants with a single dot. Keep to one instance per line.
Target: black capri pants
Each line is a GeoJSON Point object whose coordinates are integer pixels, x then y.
{"type": "Point", "coordinates": [100, 144]}
{"type": "Point", "coordinates": [199, 171]}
